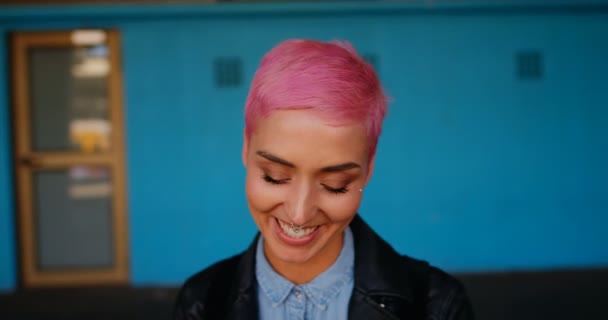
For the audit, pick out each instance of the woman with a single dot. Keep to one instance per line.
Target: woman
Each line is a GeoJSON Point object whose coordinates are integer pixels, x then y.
{"type": "Point", "coordinates": [312, 121]}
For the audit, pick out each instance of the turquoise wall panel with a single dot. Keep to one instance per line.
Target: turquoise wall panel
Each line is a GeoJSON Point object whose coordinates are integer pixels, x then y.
{"type": "Point", "coordinates": [7, 226]}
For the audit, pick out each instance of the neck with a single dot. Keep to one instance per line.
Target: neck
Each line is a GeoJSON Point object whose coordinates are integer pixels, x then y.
{"type": "Point", "coordinates": [304, 272]}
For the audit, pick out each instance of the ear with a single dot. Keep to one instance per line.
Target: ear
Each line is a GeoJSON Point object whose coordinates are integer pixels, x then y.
{"type": "Point", "coordinates": [370, 168]}
{"type": "Point", "coordinates": [245, 149]}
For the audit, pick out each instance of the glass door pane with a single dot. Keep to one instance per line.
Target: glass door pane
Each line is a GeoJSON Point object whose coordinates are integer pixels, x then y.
{"type": "Point", "coordinates": [69, 98]}
{"type": "Point", "coordinates": [73, 214]}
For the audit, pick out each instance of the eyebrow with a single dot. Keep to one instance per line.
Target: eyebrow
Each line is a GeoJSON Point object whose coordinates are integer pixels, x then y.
{"type": "Point", "coordinates": [341, 167]}
{"type": "Point", "coordinates": [334, 168]}
{"type": "Point", "coordinates": [274, 158]}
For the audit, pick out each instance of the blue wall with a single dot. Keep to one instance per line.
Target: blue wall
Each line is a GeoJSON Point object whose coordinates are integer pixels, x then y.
{"type": "Point", "coordinates": [7, 225]}
{"type": "Point", "coordinates": [477, 170]}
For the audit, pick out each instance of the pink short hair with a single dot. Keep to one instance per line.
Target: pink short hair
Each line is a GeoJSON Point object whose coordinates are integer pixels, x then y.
{"type": "Point", "coordinates": [328, 77]}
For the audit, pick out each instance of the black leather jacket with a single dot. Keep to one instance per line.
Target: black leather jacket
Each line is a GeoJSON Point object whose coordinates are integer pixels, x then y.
{"type": "Point", "coordinates": [387, 286]}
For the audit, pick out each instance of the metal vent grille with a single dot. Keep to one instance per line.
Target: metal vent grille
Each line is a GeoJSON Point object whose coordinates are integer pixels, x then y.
{"type": "Point", "coordinates": [529, 65]}
{"type": "Point", "coordinates": [227, 72]}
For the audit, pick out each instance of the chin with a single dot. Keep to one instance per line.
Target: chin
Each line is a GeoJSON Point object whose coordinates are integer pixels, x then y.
{"type": "Point", "coordinates": [293, 253]}
{"type": "Point", "coordinates": [290, 255]}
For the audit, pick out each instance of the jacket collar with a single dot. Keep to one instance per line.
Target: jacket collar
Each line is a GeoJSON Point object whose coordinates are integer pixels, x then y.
{"type": "Point", "coordinates": [384, 288]}
{"type": "Point", "coordinates": [373, 256]}
{"type": "Point", "coordinates": [243, 292]}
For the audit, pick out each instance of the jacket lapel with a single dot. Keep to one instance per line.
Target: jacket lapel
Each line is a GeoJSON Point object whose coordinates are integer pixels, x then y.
{"type": "Point", "coordinates": [244, 291]}
{"type": "Point", "coordinates": [383, 288]}
{"type": "Point", "coordinates": [246, 308]}
{"type": "Point", "coordinates": [360, 307]}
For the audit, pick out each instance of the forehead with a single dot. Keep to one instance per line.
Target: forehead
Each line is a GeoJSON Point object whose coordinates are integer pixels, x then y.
{"type": "Point", "coordinates": [303, 135]}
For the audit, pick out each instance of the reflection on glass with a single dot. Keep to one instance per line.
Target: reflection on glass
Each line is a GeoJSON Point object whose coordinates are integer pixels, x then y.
{"type": "Point", "coordinates": [73, 218]}
{"type": "Point", "coordinates": [69, 99]}
{"type": "Point", "coordinates": [90, 135]}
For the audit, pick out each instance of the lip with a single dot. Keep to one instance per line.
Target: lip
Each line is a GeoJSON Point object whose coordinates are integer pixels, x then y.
{"type": "Point", "coordinates": [292, 241]}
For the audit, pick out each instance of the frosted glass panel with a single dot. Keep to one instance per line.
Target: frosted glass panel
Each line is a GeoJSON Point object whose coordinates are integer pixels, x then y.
{"type": "Point", "coordinates": [69, 99]}
{"type": "Point", "coordinates": [73, 218]}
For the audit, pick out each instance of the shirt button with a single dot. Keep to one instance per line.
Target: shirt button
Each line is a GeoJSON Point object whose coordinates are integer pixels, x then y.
{"type": "Point", "coordinates": [297, 293]}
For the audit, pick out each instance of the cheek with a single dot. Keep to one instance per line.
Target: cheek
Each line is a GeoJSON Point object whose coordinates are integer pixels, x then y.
{"type": "Point", "coordinates": [340, 208]}
{"type": "Point", "coordinates": [261, 196]}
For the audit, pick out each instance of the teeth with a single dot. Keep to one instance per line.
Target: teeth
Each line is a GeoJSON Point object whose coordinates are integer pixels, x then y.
{"type": "Point", "coordinates": [302, 232]}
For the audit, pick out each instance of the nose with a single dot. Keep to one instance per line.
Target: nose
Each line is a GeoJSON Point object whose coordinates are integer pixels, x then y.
{"type": "Point", "coordinates": [301, 205]}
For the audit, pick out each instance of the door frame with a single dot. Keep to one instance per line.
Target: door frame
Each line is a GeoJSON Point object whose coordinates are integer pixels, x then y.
{"type": "Point", "coordinates": [27, 162]}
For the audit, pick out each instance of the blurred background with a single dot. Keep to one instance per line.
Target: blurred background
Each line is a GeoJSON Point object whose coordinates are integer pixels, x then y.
{"type": "Point", "coordinates": [121, 126]}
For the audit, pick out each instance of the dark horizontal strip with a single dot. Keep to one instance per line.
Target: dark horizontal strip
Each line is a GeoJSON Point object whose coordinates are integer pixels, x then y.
{"type": "Point", "coordinates": [556, 295]}
{"type": "Point", "coordinates": [231, 10]}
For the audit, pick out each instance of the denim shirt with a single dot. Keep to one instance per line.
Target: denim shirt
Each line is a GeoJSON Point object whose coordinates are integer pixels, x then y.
{"type": "Point", "coordinates": [325, 297]}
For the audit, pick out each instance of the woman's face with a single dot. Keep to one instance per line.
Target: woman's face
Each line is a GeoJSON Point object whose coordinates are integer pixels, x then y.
{"type": "Point", "coordinates": [302, 170]}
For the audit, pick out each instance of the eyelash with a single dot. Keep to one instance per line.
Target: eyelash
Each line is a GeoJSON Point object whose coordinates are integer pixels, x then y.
{"type": "Point", "coordinates": [270, 180]}
{"type": "Point", "coordinates": [334, 190]}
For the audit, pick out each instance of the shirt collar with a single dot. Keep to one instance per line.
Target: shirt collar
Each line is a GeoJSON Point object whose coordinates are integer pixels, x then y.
{"type": "Point", "coordinates": [274, 286]}
{"type": "Point", "coordinates": [321, 289]}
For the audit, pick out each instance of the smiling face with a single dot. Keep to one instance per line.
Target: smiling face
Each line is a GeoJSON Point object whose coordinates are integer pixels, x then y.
{"type": "Point", "coordinates": [304, 171]}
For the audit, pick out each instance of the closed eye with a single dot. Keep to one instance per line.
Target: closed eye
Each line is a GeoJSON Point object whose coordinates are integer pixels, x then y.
{"type": "Point", "coordinates": [270, 180]}
{"type": "Point", "coordinates": [335, 190]}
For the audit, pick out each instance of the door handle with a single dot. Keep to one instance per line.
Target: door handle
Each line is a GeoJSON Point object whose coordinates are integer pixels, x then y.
{"type": "Point", "coordinates": [30, 161]}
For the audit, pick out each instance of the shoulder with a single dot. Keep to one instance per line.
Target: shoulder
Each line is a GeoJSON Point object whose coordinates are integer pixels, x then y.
{"type": "Point", "coordinates": [209, 287]}
{"type": "Point", "coordinates": [444, 296]}
{"type": "Point", "coordinates": [210, 276]}
{"type": "Point", "coordinates": [407, 287]}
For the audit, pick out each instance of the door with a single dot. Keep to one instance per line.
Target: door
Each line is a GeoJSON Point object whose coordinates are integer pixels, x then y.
{"type": "Point", "coordinates": [69, 157]}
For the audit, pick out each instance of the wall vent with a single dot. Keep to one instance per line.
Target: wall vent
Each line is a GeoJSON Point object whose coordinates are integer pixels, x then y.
{"type": "Point", "coordinates": [227, 72]}
{"type": "Point", "coordinates": [529, 65]}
